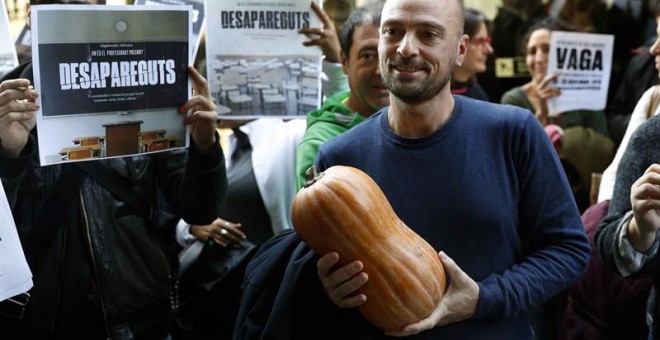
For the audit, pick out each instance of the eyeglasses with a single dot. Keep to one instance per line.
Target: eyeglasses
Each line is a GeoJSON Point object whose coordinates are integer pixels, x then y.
{"type": "Point", "coordinates": [480, 41]}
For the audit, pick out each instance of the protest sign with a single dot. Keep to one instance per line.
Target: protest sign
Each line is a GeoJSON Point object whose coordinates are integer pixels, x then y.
{"type": "Point", "coordinates": [583, 62]}
{"type": "Point", "coordinates": [110, 85]}
{"type": "Point", "coordinates": [256, 62]}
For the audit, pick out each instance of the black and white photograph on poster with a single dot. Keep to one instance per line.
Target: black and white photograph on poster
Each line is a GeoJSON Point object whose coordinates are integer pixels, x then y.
{"type": "Point", "coordinates": [197, 16]}
{"type": "Point", "coordinates": [111, 84]}
{"type": "Point", "coordinates": [583, 62]}
{"type": "Point", "coordinates": [8, 59]}
{"type": "Point", "coordinates": [256, 63]}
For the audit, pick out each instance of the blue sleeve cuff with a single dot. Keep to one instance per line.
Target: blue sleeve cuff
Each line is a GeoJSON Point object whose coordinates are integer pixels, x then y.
{"type": "Point", "coordinates": [486, 307]}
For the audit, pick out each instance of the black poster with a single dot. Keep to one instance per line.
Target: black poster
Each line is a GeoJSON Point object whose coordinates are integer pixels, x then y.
{"type": "Point", "coordinates": [112, 77]}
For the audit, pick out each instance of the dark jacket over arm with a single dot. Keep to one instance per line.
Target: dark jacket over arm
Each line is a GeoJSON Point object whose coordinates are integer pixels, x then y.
{"type": "Point", "coordinates": [643, 150]}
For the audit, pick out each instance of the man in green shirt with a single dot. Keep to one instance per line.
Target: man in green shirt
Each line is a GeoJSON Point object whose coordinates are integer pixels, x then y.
{"type": "Point", "coordinates": [342, 111]}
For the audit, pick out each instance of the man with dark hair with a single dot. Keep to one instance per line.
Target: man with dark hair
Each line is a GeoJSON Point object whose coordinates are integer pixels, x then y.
{"type": "Point", "coordinates": [344, 110]}
{"type": "Point", "coordinates": [479, 181]}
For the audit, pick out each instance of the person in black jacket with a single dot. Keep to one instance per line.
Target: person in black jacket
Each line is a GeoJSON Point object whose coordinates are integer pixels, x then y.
{"type": "Point", "coordinates": [640, 75]}
{"type": "Point", "coordinates": [103, 274]}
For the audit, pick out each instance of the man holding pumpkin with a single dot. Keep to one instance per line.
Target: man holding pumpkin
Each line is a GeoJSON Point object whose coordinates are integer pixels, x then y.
{"type": "Point", "coordinates": [476, 180]}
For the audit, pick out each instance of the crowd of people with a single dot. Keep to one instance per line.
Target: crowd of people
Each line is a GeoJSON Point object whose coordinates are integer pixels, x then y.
{"type": "Point", "coordinates": [473, 161]}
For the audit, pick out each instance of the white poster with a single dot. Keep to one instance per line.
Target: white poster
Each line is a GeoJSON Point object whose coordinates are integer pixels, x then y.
{"type": "Point", "coordinates": [197, 16]}
{"type": "Point", "coordinates": [583, 62]}
{"type": "Point", "coordinates": [15, 275]}
{"type": "Point", "coordinates": [255, 58]}
{"type": "Point", "coordinates": [110, 85]}
{"type": "Point", "coordinates": [8, 59]}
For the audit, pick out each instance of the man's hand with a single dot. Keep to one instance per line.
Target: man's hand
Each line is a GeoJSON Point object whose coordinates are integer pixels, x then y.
{"type": "Point", "coordinates": [327, 36]}
{"type": "Point", "coordinates": [645, 202]}
{"type": "Point", "coordinates": [17, 115]}
{"type": "Point", "coordinates": [224, 233]}
{"type": "Point", "coordinates": [341, 284]}
{"type": "Point", "coordinates": [204, 117]}
{"type": "Point", "coordinates": [458, 303]}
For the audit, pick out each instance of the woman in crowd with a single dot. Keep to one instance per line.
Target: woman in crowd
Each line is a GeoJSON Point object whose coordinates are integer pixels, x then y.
{"type": "Point", "coordinates": [580, 136]}
{"type": "Point", "coordinates": [464, 79]}
{"type": "Point", "coordinates": [534, 95]}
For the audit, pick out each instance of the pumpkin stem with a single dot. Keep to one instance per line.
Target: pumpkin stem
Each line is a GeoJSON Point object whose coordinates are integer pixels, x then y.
{"type": "Point", "coordinates": [312, 175]}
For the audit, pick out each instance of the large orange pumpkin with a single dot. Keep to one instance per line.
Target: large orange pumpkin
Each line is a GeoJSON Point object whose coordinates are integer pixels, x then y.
{"type": "Point", "coordinates": [344, 210]}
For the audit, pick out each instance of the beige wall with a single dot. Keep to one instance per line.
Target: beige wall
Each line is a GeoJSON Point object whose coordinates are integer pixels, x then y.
{"type": "Point", "coordinates": [489, 7]}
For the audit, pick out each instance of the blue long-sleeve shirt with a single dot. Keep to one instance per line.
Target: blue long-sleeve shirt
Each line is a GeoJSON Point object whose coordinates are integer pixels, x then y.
{"type": "Point", "coordinates": [489, 190]}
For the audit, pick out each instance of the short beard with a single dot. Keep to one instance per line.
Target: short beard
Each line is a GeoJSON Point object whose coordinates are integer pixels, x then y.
{"type": "Point", "coordinates": [417, 94]}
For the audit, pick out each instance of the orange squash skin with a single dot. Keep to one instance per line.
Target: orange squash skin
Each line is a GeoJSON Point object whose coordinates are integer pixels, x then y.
{"type": "Point", "coordinates": [345, 211]}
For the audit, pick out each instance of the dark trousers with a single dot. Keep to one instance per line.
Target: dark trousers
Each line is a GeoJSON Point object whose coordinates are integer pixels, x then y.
{"type": "Point", "coordinates": [9, 328]}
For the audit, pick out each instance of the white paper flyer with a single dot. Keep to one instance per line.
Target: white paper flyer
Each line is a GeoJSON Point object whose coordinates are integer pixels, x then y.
{"type": "Point", "coordinates": [583, 62]}
{"type": "Point", "coordinates": [256, 62]}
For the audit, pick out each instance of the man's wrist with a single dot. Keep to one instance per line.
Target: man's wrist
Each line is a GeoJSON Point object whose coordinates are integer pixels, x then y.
{"type": "Point", "coordinates": [207, 159]}
{"type": "Point", "coordinates": [206, 146]}
{"type": "Point", "coordinates": [628, 259]}
{"type": "Point", "coordinates": [191, 230]}
{"type": "Point", "coordinates": [10, 166]}
{"type": "Point", "coordinates": [641, 240]}
{"type": "Point", "coordinates": [13, 154]}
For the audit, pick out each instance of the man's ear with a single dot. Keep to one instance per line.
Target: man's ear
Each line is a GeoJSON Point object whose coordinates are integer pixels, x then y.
{"type": "Point", "coordinates": [462, 50]}
{"type": "Point", "coordinates": [344, 61]}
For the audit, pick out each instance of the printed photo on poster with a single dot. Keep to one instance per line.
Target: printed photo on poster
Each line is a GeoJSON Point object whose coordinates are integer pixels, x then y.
{"type": "Point", "coordinates": [110, 85]}
{"type": "Point", "coordinates": [256, 63]}
{"type": "Point", "coordinates": [197, 16]}
{"type": "Point", "coordinates": [8, 59]}
{"type": "Point", "coordinates": [583, 62]}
